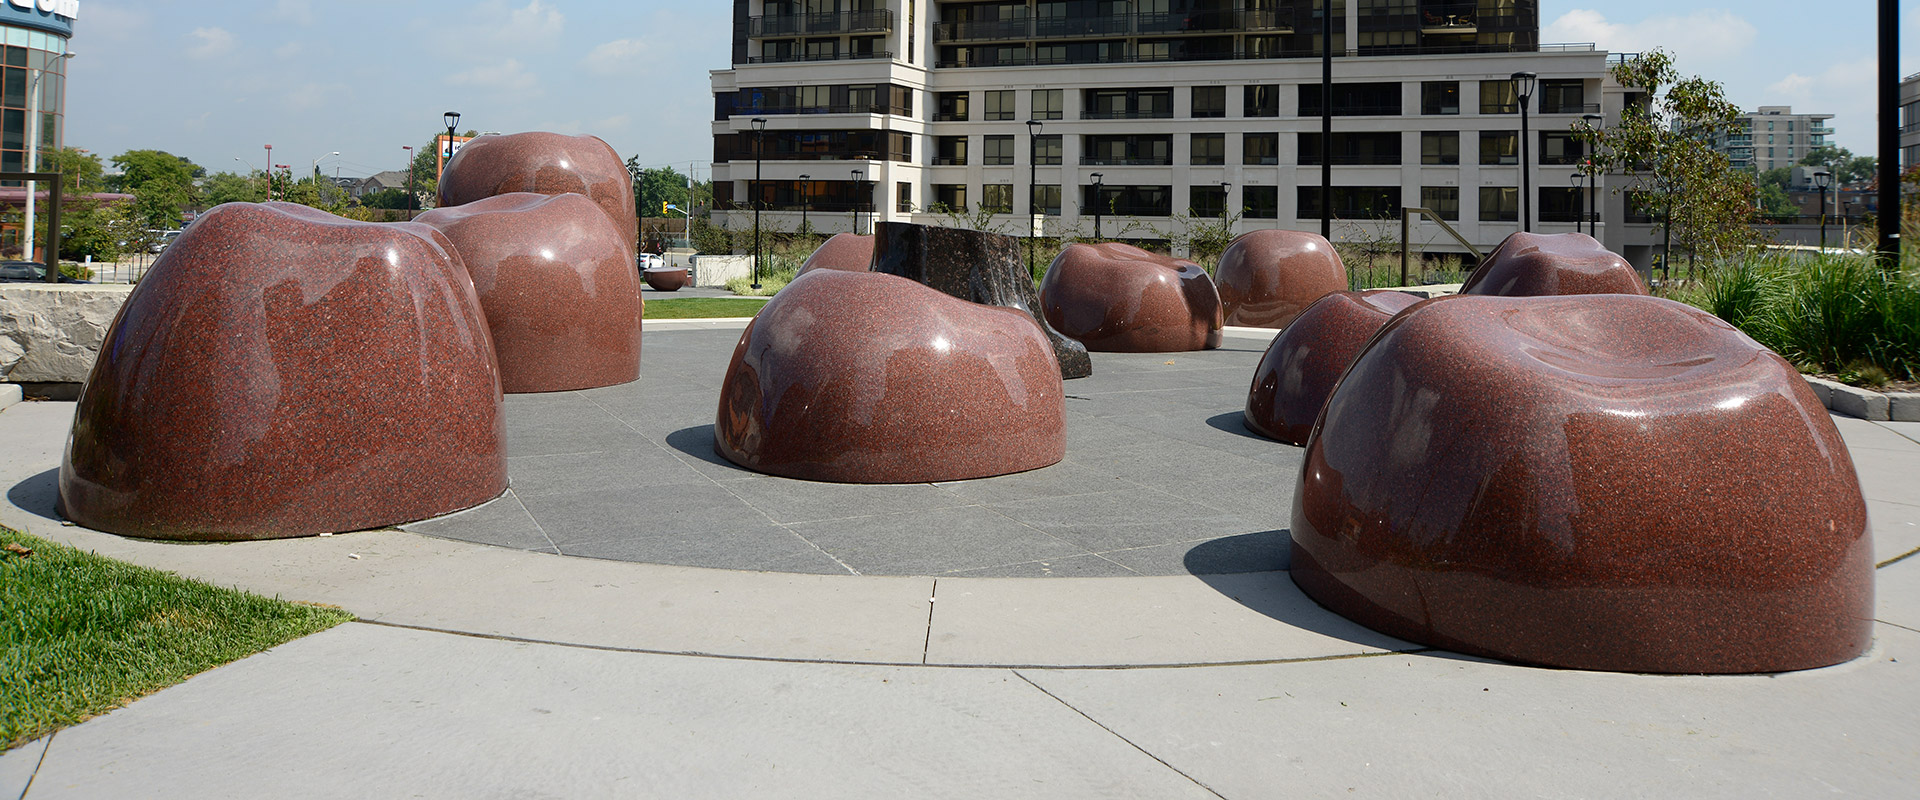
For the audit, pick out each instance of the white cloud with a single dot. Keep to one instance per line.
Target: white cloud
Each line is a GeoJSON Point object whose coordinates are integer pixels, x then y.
{"type": "Point", "coordinates": [616, 57]}
{"type": "Point", "coordinates": [508, 75]}
{"type": "Point", "coordinates": [1707, 35]}
{"type": "Point", "coordinates": [537, 19]}
{"type": "Point", "coordinates": [296, 11]}
{"type": "Point", "coordinates": [1845, 90]}
{"type": "Point", "coordinates": [212, 43]}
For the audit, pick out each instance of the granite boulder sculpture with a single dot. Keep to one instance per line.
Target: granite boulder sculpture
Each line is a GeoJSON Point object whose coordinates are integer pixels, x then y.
{"type": "Point", "coordinates": [1538, 264]}
{"type": "Point", "coordinates": [1119, 298]}
{"type": "Point", "coordinates": [544, 163]}
{"type": "Point", "coordinates": [553, 276]}
{"type": "Point", "coordinates": [844, 251]}
{"type": "Point", "coordinates": [282, 372]}
{"type": "Point", "coordinates": [1267, 277]}
{"type": "Point", "coordinates": [1300, 367]}
{"type": "Point", "coordinates": [1606, 482]}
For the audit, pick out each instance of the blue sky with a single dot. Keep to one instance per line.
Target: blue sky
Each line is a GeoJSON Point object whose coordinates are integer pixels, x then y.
{"type": "Point", "coordinates": [214, 80]}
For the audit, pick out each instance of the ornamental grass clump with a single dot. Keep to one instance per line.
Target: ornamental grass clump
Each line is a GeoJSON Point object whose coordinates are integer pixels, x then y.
{"type": "Point", "coordinates": [1835, 314]}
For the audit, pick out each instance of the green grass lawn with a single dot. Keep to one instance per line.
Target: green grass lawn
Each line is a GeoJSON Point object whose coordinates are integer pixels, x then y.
{"type": "Point", "coordinates": [703, 307]}
{"type": "Point", "coordinates": [83, 634]}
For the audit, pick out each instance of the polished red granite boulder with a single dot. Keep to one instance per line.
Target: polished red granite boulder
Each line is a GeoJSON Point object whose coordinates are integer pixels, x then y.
{"type": "Point", "coordinates": [1304, 362]}
{"type": "Point", "coordinates": [861, 377]}
{"type": "Point", "coordinates": [544, 163]}
{"type": "Point", "coordinates": [1267, 277]}
{"type": "Point", "coordinates": [282, 372]}
{"type": "Point", "coordinates": [845, 251]}
{"type": "Point", "coordinates": [1608, 482]}
{"type": "Point", "coordinates": [553, 276]}
{"type": "Point", "coordinates": [1535, 264]}
{"type": "Point", "coordinates": [667, 279]}
{"type": "Point", "coordinates": [1119, 298]}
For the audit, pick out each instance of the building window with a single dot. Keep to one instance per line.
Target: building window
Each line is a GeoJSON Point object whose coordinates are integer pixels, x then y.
{"type": "Point", "coordinates": [1439, 97]}
{"type": "Point", "coordinates": [950, 197]}
{"type": "Point", "coordinates": [950, 107]}
{"type": "Point", "coordinates": [1441, 200]}
{"type": "Point", "coordinates": [1127, 150]}
{"type": "Point", "coordinates": [1352, 202]}
{"type": "Point", "coordinates": [1499, 204]}
{"type": "Point", "coordinates": [950, 151]}
{"type": "Point", "coordinates": [1498, 97]}
{"type": "Point", "coordinates": [1127, 104]}
{"type": "Point", "coordinates": [1209, 102]}
{"type": "Point", "coordinates": [997, 151]}
{"type": "Point", "coordinates": [1440, 147]}
{"type": "Point", "coordinates": [1353, 99]}
{"type": "Point", "coordinates": [1206, 201]}
{"type": "Point", "coordinates": [1261, 101]}
{"type": "Point", "coordinates": [997, 198]}
{"type": "Point", "coordinates": [903, 198]}
{"type": "Point", "coordinates": [1049, 103]}
{"type": "Point", "coordinates": [1046, 149]}
{"type": "Point", "coordinates": [1499, 147]}
{"type": "Point", "coordinates": [823, 49]}
{"type": "Point", "coordinates": [1380, 148]}
{"type": "Point", "coordinates": [1209, 149]}
{"type": "Point", "coordinates": [1560, 204]}
{"type": "Point", "coordinates": [1261, 202]}
{"type": "Point", "coordinates": [1137, 201]}
{"type": "Point", "coordinates": [1564, 97]}
{"type": "Point", "coordinates": [1559, 147]}
{"type": "Point", "coordinates": [1046, 197]}
{"type": "Point", "coordinates": [999, 105]}
{"type": "Point", "coordinates": [1260, 148]}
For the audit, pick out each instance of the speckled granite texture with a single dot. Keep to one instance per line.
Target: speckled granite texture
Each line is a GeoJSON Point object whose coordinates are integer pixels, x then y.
{"type": "Point", "coordinates": [544, 163]}
{"type": "Point", "coordinates": [980, 267]}
{"type": "Point", "coordinates": [1606, 482]}
{"type": "Point", "coordinates": [868, 378]}
{"type": "Point", "coordinates": [667, 279]}
{"type": "Point", "coordinates": [1302, 364]}
{"type": "Point", "coordinates": [845, 251]}
{"type": "Point", "coordinates": [1268, 277]}
{"type": "Point", "coordinates": [283, 372]}
{"type": "Point", "coordinates": [554, 279]}
{"type": "Point", "coordinates": [1119, 298]}
{"type": "Point", "coordinates": [1535, 264]}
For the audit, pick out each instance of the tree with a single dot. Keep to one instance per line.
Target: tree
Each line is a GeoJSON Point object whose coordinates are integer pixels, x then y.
{"type": "Point", "coordinates": [385, 198]}
{"type": "Point", "coordinates": [1845, 166]}
{"type": "Point", "coordinates": [227, 187]}
{"type": "Point", "coordinates": [1774, 200]}
{"type": "Point", "coordinates": [1662, 144]}
{"type": "Point", "coordinates": [161, 183]}
{"type": "Point", "coordinates": [653, 186]}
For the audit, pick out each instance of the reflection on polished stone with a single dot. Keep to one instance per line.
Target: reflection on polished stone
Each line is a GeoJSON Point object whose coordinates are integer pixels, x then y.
{"type": "Point", "coordinates": [844, 251]}
{"type": "Point", "coordinates": [667, 279]}
{"type": "Point", "coordinates": [1305, 360]}
{"type": "Point", "coordinates": [1608, 482]}
{"type": "Point", "coordinates": [1118, 298]}
{"type": "Point", "coordinates": [553, 276]}
{"type": "Point", "coordinates": [283, 372]}
{"type": "Point", "coordinates": [1267, 277]}
{"type": "Point", "coordinates": [1535, 264]}
{"type": "Point", "coordinates": [975, 266]}
{"type": "Point", "coordinates": [860, 377]}
{"type": "Point", "coordinates": [544, 163]}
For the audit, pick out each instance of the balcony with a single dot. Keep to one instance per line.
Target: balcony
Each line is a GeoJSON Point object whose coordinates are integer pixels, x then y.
{"type": "Point", "coordinates": [1165, 113]}
{"type": "Point", "coordinates": [1449, 17]}
{"type": "Point", "coordinates": [1150, 24]}
{"type": "Point", "coordinates": [794, 58]}
{"type": "Point", "coordinates": [1126, 161]}
{"type": "Point", "coordinates": [1820, 130]}
{"type": "Point", "coordinates": [1570, 108]}
{"type": "Point", "coordinates": [821, 24]}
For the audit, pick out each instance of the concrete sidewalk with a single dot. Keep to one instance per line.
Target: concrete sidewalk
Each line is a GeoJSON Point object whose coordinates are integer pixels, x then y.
{"type": "Point", "coordinates": [489, 671]}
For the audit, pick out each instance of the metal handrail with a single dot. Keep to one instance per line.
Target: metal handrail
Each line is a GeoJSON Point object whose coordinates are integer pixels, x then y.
{"type": "Point", "coordinates": [1406, 225]}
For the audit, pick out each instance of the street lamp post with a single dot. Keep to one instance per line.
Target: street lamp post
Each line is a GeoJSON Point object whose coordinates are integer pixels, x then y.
{"type": "Point", "coordinates": [410, 171]}
{"type": "Point", "coordinates": [1523, 91]}
{"type": "Point", "coordinates": [1593, 222]}
{"type": "Point", "coordinates": [1033, 184]}
{"type": "Point", "coordinates": [1823, 179]}
{"type": "Point", "coordinates": [806, 201]}
{"type": "Point", "coordinates": [1098, 204]}
{"type": "Point", "coordinates": [859, 175]}
{"type": "Point", "coordinates": [759, 144]}
{"type": "Point", "coordinates": [1226, 190]}
{"type": "Point", "coordinates": [315, 166]}
{"type": "Point", "coordinates": [269, 167]}
{"type": "Point", "coordinates": [452, 118]}
{"type": "Point", "coordinates": [33, 153]}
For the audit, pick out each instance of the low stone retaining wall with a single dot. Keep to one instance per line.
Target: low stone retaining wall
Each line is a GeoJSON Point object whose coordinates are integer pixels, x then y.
{"type": "Point", "coordinates": [713, 271]}
{"type": "Point", "coordinates": [1879, 406]}
{"type": "Point", "coordinates": [51, 334]}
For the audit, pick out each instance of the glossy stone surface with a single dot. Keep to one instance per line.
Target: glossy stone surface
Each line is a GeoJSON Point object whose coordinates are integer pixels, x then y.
{"type": "Point", "coordinates": [544, 163]}
{"type": "Point", "coordinates": [1536, 264]}
{"type": "Point", "coordinates": [979, 267]}
{"type": "Point", "coordinates": [1268, 277]}
{"type": "Point", "coordinates": [861, 377]}
{"type": "Point", "coordinates": [282, 372]}
{"type": "Point", "coordinates": [1608, 482]}
{"type": "Point", "coordinates": [1304, 362]}
{"type": "Point", "coordinates": [1119, 298]}
{"type": "Point", "coordinates": [667, 279]}
{"type": "Point", "coordinates": [553, 276]}
{"type": "Point", "coordinates": [845, 251]}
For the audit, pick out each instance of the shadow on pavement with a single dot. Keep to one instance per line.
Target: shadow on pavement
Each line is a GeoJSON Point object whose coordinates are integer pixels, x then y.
{"type": "Point", "coordinates": [698, 442]}
{"type": "Point", "coordinates": [1236, 422]}
{"type": "Point", "coordinates": [38, 495]}
{"type": "Point", "coordinates": [1273, 593]}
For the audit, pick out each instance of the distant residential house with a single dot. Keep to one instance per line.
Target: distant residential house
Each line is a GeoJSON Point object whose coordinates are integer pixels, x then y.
{"type": "Point", "coordinates": [391, 179]}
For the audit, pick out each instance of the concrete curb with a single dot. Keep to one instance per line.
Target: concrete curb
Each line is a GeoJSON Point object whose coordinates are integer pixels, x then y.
{"type": "Point", "coordinates": [1869, 405]}
{"type": "Point", "coordinates": [10, 393]}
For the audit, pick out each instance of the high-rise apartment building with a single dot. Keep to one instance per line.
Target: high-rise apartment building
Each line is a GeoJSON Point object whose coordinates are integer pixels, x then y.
{"type": "Point", "coordinates": [1773, 137]}
{"type": "Point", "coordinates": [1146, 110]}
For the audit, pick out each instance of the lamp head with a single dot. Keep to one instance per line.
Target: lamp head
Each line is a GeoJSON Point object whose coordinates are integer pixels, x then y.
{"type": "Point", "coordinates": [759, 123]}
{"type": "Point", "coordinates": [1523, 83]}
{"type": "Point", "coordinates": [1096, 178]}
{"type": "Point", "coordinates": [452, 118]}
{"type": "Point", "coordinates": [804, 176]}
{"type": "Point", "coordinates": [1822, 178]}
{"type": "Point", "coordinates": [1033, 127]}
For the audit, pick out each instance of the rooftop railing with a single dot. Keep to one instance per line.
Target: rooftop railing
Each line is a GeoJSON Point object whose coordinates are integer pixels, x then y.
{"type": "Point", "coordinates": [817, 24]}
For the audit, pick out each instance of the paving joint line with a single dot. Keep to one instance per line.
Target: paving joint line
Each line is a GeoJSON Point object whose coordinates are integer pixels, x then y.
{"type": "Point", "coordinates": [926, 645]}
{"type": "Point", "coordinates": [37, 764]}
{"type": "Point", "coordinates": [1897, 559]}
{"type": "Point", "coordinates": [1897, 625]}
{"type": "Point", "coordinates": [1116, 734]}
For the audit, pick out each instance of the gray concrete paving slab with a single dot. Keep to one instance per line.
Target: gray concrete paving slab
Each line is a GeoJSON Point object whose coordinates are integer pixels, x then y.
{"type": "Point", "coordinates": [18, 765]}
{"type": "Point", "coordinates": [1911, 430]}
{"type": "Point", "coordinates": [1896, 593]}
{"type": "Point", "coordinates": [933, 542]}
{"type": "Point", "coordinates": [362, 711]}
{"type": "Point", "coordinates": [1891, 476]}
{"type": "Point", "coordinates": [501, 522]}
{"type": "Point", "coordinates": [1429, 725]}
{"type": "Point", "coordinates": [1861, 433]}
{"type": "Point", "coordinates": [1896, 529]}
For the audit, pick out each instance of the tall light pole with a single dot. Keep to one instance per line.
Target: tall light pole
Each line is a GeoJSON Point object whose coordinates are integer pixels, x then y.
{"type": "Point", "coordinates": [1226, 190]}
{"type": "Point", "coordinates": [859, 175]}
{"type": "Point", "coordinates": [1099, 204]}
{"type": "Point", "coordinates": [1889, 135]}
{"type": "Point", "coordinates": [411, 163]}
{"type": "Point", "coordinates": [759, 144]}
{"type": "Point", "coordinates": [33, 151]}
{"type": "Point", "coordinates": [452, 118]}
{"type": "Point", "coordinates": [249, 166]}
{"type": "Point", "coordinates": [1823, 179]}
{"type": "Point", "coordinates": [1033, 185]}
{"type": "Point", "coordinates": [269, 166]}
{"type": "Point", "coordinates": [316, 172]}
{"type": "Point", "coordinates": [1326, 119]}
{"type": "Point", "coordinates": [1523, 91]}
{"type": "Point", "coordinates": [806, 200]}
{"type": "Point", "coordinates": [1593, 222]}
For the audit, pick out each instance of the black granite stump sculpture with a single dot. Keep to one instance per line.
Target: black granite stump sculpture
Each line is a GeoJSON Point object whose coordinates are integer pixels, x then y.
{"type": "Point", "coordinates": [987, 268]}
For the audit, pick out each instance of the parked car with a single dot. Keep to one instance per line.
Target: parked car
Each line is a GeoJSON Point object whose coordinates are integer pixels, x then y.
{"type": "Point", "coordinates": [652, 261]}
{"type": "Point", "coordinates": [29, 272]}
